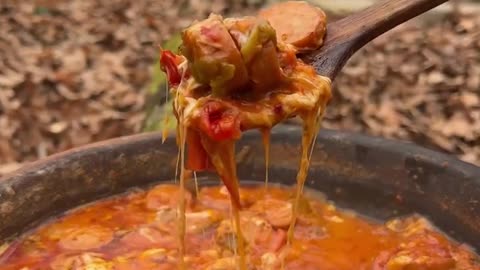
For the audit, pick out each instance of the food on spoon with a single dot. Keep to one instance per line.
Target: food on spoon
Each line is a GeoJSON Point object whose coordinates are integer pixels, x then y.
{"type": "Point", "coordinates": [233, 75]}
{"type": "Point", "coordinates": [238, 74]}
{"type": "Point", "coordinates": [345, 242]}
{"type": "Point", "coordinates": [213, 57]}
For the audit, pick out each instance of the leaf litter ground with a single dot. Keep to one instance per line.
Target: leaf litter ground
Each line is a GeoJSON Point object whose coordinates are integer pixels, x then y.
{"type": "Point", "coordinates": [75, 72]}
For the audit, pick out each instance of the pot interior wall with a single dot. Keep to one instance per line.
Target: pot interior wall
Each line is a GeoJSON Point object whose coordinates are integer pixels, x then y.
{"type": "Point", "coordinates": [378, 178]}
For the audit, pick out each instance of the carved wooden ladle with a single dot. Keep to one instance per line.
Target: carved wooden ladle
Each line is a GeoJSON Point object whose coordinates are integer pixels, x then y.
{"type": "Point", "coordinates": [346, 36]}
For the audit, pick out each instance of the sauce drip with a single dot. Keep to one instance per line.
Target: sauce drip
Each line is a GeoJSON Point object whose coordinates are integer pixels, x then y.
{"type": "Point", "coordinates": [181, 227]}
{"type": "Point", "coordinates": [222, 155]}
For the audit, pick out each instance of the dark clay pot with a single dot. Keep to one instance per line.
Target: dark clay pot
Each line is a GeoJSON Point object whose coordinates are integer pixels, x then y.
{"type": "Point", "coordinates": [379, 178]}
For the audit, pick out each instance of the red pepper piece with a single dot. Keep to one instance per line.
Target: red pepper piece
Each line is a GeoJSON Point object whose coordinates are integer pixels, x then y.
{"type": "Point", "coordinates": [220, 122]}
{"type": "Point", "coordinates": [168, 63]}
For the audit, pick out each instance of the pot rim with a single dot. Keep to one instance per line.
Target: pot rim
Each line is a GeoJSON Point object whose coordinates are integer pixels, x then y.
{"type": "Point", "coordinates": [393, 146]}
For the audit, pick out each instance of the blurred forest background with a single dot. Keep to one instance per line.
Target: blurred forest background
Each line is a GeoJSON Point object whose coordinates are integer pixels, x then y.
{"type": "Point", "coordinates": [80, 71]}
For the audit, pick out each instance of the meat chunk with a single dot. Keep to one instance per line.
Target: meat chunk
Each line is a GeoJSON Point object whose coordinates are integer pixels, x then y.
{"type": "Point", "coordinates": [148, 237]}
{"type": "Point", "coordinates": [85, 238]}
{"type": "Point", "coordinates": [166, 215]}
{"type": "Point", "coordinates": [422, 251]}
{"type": "Point", "coordinates": [225, 236]}
{"type": "Point", "coordinates": [157, 258]}
{"type": "Point", "coordinates": [277, 212]}
{"type": "Point", "coordinates": [255, 230]}
{"type": "Point", "coordinates": [297, 23]}
{"type": "Point", "coordinates": [219, 199]}
{"type": "Point", "coordinates": [213, 56]}
{"type": "Point", "coordinates": [257, 41]}
{"type": "Point", "coordinates": [409, 226]}
{"type": "Point", "coordinates": [85, 261]}
{"type": "Point", "coordinates": [166, 195]}
{"type": "Point", "coordinates": [409, 261]}
{"type": "Point", "coordinates": [198, 221]}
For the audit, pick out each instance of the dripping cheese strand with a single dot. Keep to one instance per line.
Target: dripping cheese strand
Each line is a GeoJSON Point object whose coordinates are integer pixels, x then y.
{"type": "Point", "coordinates": [307, 137]}
{"type": "Point", "coordinates": [311, 127]}
{"type": "Point", "coordinates": [181, 141]}
{"type": "Point", "coordinates": [196, 183]}
{"type": "Point", "coordinates": [240, 247]}
{"type": "Point", "coordinates": [223, 157]}
{"type": "Point", "coordinates": [266, 145]}
{"type": "Point", "coordinates": [181, 205]}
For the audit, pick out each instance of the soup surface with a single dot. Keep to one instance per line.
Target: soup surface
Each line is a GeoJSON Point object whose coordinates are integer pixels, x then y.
{"type": "Point", "coordinates": [138, 231]}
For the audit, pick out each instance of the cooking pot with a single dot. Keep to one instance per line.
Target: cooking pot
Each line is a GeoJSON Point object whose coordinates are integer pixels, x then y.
{"type": "Point", "coordinates": [376, 177]}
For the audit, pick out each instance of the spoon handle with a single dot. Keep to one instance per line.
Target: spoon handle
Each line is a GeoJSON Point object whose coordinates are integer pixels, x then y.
{"type": "Point", "coordinates": [344, 37]}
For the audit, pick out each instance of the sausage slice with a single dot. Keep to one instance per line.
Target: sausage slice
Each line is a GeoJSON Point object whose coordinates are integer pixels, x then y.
{"type": "Point", "coordinates": [297, 23]}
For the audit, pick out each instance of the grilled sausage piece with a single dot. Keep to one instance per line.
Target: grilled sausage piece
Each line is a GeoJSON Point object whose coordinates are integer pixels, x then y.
{"type": "Point", "coordinates": [297, 23]}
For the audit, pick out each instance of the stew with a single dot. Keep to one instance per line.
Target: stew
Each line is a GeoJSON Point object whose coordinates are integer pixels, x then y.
{"type": "Point", "coordinates": [137, 231]}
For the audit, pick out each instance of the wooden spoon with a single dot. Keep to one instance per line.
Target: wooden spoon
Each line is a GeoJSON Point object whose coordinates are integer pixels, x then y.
{"type": "Point", "coordinates": [348, 35]}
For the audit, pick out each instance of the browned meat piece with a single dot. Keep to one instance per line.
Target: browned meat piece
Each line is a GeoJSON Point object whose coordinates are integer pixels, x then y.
{"type": "Point", "coordinates": [199, 221]}
{"type": "Point", "coordinates": [277, 212]}
{"type": "Point", "coordinates": [148, 237]}
{"type": "Point", "coordinates": [219, 199]}
{"type": "Point", "coordinates": [166, 195]}
{"type": "Point", "coordinates": [213, 56]}
{"type": "Point", "coordinates": [85, 238]}
{"type": "Point", "coordinates": [422, 251]}
{"type": "Point", "coordinates": [297, 23]}
{"type": "Point", "coordinates": [409, 226]}
{"type": "Point", "coordinates": [258, 45]}
{"type": "Point", "coordinates": [255, 230]}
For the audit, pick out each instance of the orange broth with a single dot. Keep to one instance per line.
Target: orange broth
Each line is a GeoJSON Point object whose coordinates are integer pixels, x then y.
{"type": "Point", "coordinates": [138, 231]}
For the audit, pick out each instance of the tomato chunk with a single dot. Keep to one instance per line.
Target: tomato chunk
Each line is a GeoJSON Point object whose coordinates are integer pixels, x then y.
{"type": "Point", "coordinates": [220, 122]}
